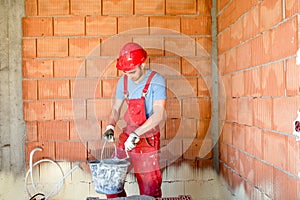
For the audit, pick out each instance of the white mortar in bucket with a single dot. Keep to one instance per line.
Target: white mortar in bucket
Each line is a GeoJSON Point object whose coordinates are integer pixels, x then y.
{"type": "Point", "coordinates": [109, 174]}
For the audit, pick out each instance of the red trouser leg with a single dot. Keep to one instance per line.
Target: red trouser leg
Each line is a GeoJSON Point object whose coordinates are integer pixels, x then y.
{"type": "Point", "coordinates": [150, 183]}
{"type": "Point", "coordinates": [145, 161]}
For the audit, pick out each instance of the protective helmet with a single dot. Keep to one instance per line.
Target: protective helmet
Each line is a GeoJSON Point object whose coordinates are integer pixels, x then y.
{"type": "Point", "coordinates": [131, 55]}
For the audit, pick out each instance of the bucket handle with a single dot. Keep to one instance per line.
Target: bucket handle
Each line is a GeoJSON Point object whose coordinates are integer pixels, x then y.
{"type": "Point", "coordinates": [115, 154]}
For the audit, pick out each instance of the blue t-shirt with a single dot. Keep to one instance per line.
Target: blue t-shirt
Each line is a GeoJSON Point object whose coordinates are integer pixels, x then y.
{"type": "Point", "coordinates": [156, 90]}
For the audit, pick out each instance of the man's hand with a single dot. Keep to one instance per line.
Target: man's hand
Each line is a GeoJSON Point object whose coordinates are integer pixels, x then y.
{"type": "Point", "coordinates": [109, 133]}
{"type": "Point", "coordinates": [131, 141]}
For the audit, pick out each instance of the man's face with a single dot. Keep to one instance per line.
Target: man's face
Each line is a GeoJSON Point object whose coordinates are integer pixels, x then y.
{"type": "Point", "coordinates": [135, 74]}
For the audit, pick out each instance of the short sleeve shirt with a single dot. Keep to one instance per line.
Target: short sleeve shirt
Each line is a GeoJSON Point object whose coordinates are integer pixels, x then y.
{"type": "Point", "coordinates": [156, 90]}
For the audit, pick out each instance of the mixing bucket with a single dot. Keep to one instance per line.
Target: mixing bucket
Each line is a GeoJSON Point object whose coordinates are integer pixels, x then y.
{"type": "Point", "coordinates": [109, 174]}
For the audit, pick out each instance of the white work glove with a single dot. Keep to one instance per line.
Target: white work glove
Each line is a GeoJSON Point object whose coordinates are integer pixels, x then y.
{"type": "Point", "coordinates": [131, 141]}
{"type": "Point", "coordinates": [109, 133]}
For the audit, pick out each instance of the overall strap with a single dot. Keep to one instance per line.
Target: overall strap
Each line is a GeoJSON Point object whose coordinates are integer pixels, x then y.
{"type": "Point", "coordinates": [145, 90]}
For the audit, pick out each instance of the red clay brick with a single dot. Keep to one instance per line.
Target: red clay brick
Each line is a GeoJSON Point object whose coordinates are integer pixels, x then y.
{"type": "Point", "coordinates": [116, 7]}
{"type": "Point", "coordinates": [292, 7]}
{"type": "Point", "coordinates": [112, 46]}
{"type": "Point", "coordinates": [52, 47]}
{"type": "Point", "coordinates": [70, 109]}
{"type": "Point", "coordinates": [203, 65]}
{"type": "Point", "coordinates": [224, 41]}
{"type": "Point", "coordinates": [204, 87]}
{"type": "Point", "coordinates": [225, 84]}
{"type": "Point", "coordinates": [186, 89]}
{"type": "Point", "coordinates": [253, 82]}
{"type": "Point", "coordinates": [29, 48]}
{"type": "Point", "coordinates": [172, 127]}
{"type": "Point", "coordinates": [99, 108]}
{"type": "Point", "coordinates": [31, 131]}
{"type": "Point", "coordinates": [228, 16]}
{"type": "Point", "coordinates": [108, 87]}
{"type": "Point", "coordinates": [200, 25]}
{"type": "Point", "coordinates": [246, 168]}
{"type": "Point", "coordinates": [84, 46]}
{"type": "Point", "coordinates": [71, 151]}
{"type": "Point", "coordinates": [292, 78]}
{"type": "Point", "coordinates": [177, 7]}
{"type": "Point", "coordinates": [243, 56]}
{"type": "Point", "coordinates": [133, 25]}
{"type": "Point", "coordinates": [273, 83]}
{"type": "Point", "coordinates": [285, 38]}
{"type": "Point", "coordinates": [227, 133]}
{"type": "Point", "coordinates": [254, 142]}
{"type": "Point", "coordinates": [88, 88]}
{"type": "Point", "coordinates": [88, 7]}
{"type": "Point", "coordinates": [48, 150]}
{"type": "Point", "coordinates": [231, 109]}
{"type": "Point", "coordinates": [69, 68]}
{"type": "Point", "coordinates": [85, 130]}
{"type": "Point", "coordinates": [275, 143]}
{"type": "Point", "coordinates": [197, 148]}
{"type": "Point", "coordinates": [221, 4]}
{"type": "Point", "coordinates": [231, 61]}
{"type": "Point", "coordinates": [251, 25]}
{"type": "Point", "coordinates": [167, 66]}
{"type": "Point", "coordinates": [262, 112]}
{"type": "Point", "coordinates": [101, 25]}
{"type": "Point", "coordinates": [282, 183]}
{"type": "Point", "coordinates": [31, 7]}
{"type": "Point", "coordinates": [270, 14]}
{"type": "Point", "coordinates": [238, 136]}
{"type": "Point", "coordinates": [244, 114]}
{"type": "Point", "coordinates": [29, 88]}
{"type": "Point", "coordinates": [154, 45]}
{"type": "Point", "coordinates": [161, 25]}
{"type": "Point", "coordinates": [53, 130]}
{"type": "Point", "coordinates": [37, 68]}
{"type": "Point", "coordinates": [236, 33]}
{"type": "Point", "coordinates": [264, 177]}
{"type": "Point", "coordinates": [101, 67]}
{"type": "Point", "coordinates": [55, 7]}
{"type": "Point", "coordinates": [203, 46]}
{"type": "Point", "coordinates": [237, 87]}
{"type": "Point", "coordinates": [293, 156]}
{"type": "Point", "coordinates": [222, 63]}
{"type": "Point", "coordinates": [173, 108]}
{"type": "Point", "coordinates": [52, 89]}
{"type": "Point", "coordinates": [38, 110]}
{"type": "Point", "coordinates": [204, 108]}
{"type": "Point", "coordinates": [180, 46]}
{"type": "Point", "coordinates": [203, 128]}
{"type": "Point", "coordinates": [204, 7]}
{"type": "Point", "coordinates": [69, 26]}
{"type": "Point", "coordinates": [37, 26]}
{"type": "Point", "coordinates": [223, 153]}
{"type": "Point", "coordinates": [261, 49]}
{"type": "Point", "coordinates": [285, 112]}
{"type": "Point", "coordinates": [154, 7]}
{"type": "Point", "coordinates": [233, 158]}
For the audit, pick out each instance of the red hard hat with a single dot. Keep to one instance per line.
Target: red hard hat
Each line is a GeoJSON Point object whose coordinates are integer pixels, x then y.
{"type": "Point", "coordinates": [131, 55]}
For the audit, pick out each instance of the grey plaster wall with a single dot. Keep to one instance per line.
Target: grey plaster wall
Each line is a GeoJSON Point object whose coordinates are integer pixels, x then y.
{"type": "Point", "coordinates": [12, 128]}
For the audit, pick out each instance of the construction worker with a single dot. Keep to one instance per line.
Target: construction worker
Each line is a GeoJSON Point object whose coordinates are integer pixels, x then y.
{"type": "Point", "coordinates": [144, 92]}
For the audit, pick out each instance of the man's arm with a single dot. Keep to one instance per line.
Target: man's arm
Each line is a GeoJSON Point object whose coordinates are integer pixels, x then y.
{"type": "Point", "coordinates": [115, 112]}
{"type": "Point", "coordinates": [154, 119]}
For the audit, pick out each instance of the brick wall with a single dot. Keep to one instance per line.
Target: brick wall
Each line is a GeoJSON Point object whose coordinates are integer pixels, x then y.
{"type": "Point", "coordinates": [69, 75]}
{"type": "Point", "coordinates": [258, 41]}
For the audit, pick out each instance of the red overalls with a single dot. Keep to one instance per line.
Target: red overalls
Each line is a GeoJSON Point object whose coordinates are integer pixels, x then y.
{"type": "Point", "coordinates": [144, 157]}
